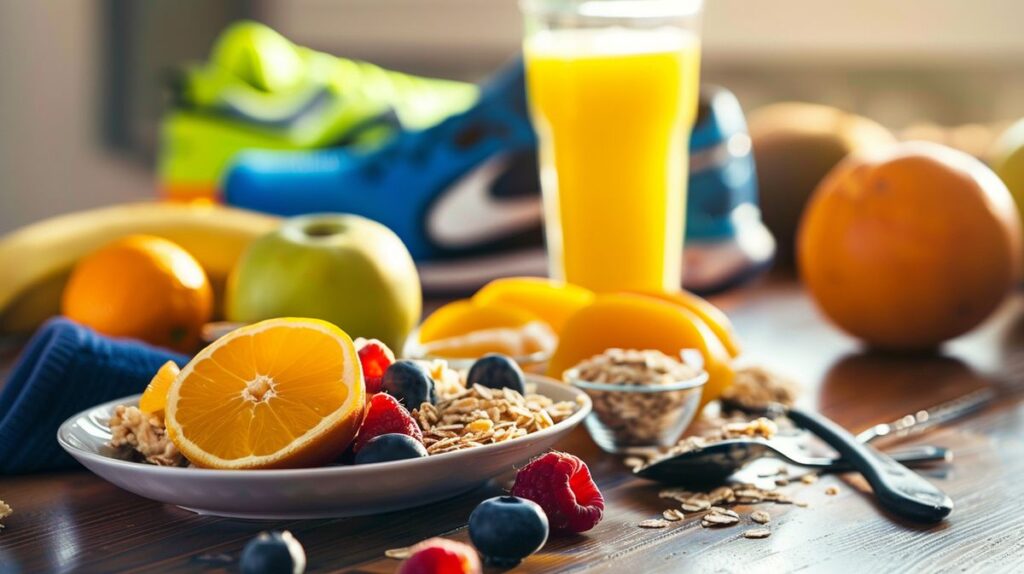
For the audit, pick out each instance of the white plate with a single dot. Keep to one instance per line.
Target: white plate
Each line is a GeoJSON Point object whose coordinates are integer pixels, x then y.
{"type": "Point", "coordinates": [332, 491]}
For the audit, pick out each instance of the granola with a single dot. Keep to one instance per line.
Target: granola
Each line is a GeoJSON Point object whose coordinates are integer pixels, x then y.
{"type": "Point", "coordinates": [757, 387]}
{"type": "Point", "coordinates": [479, 415]}
{"type": "Point", "coordinates": [5, 511]}
{"type": "Point", "coordinates": [144, 436]}
{"type": "Point", "coordinates": [638, 418]}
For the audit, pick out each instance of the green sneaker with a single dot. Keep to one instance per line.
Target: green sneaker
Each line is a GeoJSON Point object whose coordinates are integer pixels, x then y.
{"type": "Point", "coordinates": [260, 91]}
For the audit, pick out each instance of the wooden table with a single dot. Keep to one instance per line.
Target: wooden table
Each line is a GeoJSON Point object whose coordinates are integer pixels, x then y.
{"type": "Point", "coordinates": [75, 522]}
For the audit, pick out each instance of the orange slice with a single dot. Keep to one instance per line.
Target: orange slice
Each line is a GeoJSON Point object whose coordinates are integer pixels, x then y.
{"type": "Point", "coordinates": [629, 321]}
{"type": "Point", "coordinates": [282, 393]}
{"type": "Point", "coordinates": [534, 337]}
{"type": "Point", "coordinates": [466, 316]}
{"type": "Point", "coordinates": [713, 316]}
{"type": "Point", "coordinates": [154, 399]}
{"type": "Point", "coordinates": [552, 301]}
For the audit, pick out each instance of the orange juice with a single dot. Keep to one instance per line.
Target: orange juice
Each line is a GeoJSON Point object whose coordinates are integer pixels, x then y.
{"type": "Point", "coordinates": [613, 108]}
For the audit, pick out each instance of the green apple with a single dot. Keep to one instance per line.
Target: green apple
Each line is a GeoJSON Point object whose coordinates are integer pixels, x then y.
{"type": "Point", "coordinates": [349, 270]}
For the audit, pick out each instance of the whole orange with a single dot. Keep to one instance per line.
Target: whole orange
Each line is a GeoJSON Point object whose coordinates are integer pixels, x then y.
{"type": "Point", "coordinates": [143, 287]}
{"type": "Point", "coordinates": [909, 245]}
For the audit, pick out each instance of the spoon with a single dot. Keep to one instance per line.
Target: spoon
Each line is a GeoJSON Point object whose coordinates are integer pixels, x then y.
{"type": "Point", "coordinates": [717, 461]}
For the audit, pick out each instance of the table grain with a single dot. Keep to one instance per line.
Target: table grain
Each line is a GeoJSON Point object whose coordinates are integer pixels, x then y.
{"type": "Point", "coordinates": [73, 521]}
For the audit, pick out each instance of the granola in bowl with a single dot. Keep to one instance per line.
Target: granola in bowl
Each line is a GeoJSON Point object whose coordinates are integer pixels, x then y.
{"type": "Point", "coordinates": [642, 398]}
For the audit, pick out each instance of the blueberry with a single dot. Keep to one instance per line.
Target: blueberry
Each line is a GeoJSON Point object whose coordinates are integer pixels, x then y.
{"type": "Point", "coordinates": [410, 383]}
{"type": "Point", "coordinates": [273, 553]}
{"type": "Point", "coordinates": [495, 371]}
{"type": "Point", "coordinates": [506, 529]}
{"type": "Point", "coordinates": [391, 446]}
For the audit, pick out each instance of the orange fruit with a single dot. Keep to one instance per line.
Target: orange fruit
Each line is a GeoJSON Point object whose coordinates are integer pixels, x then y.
{"type": "Point", "coordinates": [552, 301]}
{"type": "Point", "coordinates": [910, 246]}
{"type": "Point", "coordinates": [631, 321]}
{"type": "Point", "coordinates": [466, 316]}
{"type": "Point", "coordinates": [534, 337]}
{"type": "Point", "coordinates": [154, 398]}
{"type": "Point", "coordinates": [282, 393]}
{"type": "Point", "coordinates": [715, 319]}
{"type": "Point", "coordinates": [143, 287]}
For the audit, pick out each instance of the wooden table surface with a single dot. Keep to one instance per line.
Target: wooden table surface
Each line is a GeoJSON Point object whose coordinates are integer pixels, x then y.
{"type": "Point", "coordinates": [74, 521]}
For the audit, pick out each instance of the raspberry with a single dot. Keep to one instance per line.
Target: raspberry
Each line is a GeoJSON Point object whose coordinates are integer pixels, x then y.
{"type": "Point", "coordinates": [441, 556]}
{"type": "Point", "coordinates": [560, 483]}
{"type": "Point", "coordinates": [375, 357]}
{"type": "Point", "coordinates": [385, 415]}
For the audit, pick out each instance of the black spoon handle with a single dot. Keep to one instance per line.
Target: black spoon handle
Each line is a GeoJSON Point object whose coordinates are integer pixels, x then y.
{"type": "Point", "coordinates": [912, 455]}
{"type": "Point", "coordinates": [899, 489]}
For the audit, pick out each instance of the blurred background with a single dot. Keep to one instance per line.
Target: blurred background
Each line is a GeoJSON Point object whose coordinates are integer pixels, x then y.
{"type": "Point", "coordinates": [83, 82]}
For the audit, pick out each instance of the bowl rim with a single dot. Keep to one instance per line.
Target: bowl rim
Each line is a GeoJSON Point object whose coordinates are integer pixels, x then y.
{"type": "Point", "coordinates": [571, 376]}
{"type": "Point", "coordinates": [585, 407]}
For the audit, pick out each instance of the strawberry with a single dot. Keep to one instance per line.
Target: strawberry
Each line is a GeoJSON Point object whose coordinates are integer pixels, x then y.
{"type": "Point", "coordinates": [384, 415]}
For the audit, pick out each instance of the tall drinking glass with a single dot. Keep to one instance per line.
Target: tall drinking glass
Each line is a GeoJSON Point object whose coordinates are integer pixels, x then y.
{"type": "Point", "coordinates": [613, 87]}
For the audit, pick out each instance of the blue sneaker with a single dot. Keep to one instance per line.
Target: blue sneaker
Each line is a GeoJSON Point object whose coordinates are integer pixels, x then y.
{"type": "Point", "coordinates": [726, 242]}
{"type": "Point", "coordinates": [464, 195]}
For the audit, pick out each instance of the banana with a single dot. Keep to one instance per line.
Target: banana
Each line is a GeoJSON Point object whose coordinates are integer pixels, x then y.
{"type": "Point", "coordinates": [36, 260]}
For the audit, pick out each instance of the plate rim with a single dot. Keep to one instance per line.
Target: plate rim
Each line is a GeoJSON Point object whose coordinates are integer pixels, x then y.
{"type": "Point", "coordinates": [272, 474]}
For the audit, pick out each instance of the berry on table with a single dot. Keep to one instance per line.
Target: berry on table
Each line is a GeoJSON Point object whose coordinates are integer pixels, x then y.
{"type": "Point", "coordinates": [561, 484]}
{"type": "Point", "coordinates": [375, 357]}
{"type": "Point", "coordinates": [506, 529]}
{"type": "Point", "coordinates": [441, 556]}
{"type": "Point", "coordinates": [389, 447]}
{"type": "Point", "coordinates": [385, 415]}
{"type": "Point", "coordinates": [496, 371]}
{"type": "Point", "coordinates": [273, 553]}
{"type": "Point", "coordinates": [410, 383]}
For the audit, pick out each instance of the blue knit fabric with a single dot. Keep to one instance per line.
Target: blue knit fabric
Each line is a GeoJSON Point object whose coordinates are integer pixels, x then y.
{"type": "Point", "coordinates": [64, 369]}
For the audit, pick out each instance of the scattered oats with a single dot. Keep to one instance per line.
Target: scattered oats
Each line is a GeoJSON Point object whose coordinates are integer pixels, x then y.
{"type": "Point", "coordinates": [653, 523]}
{"type": "Point", "coordinates": [633, 461]}
{"type": "Point", "coordinates": [760, 517]}
{"type": "Point", "coordinates": [781, 481]}
{"type": "Point", "coordinates": [696, 504]}
{"type": "Point", "coordinates": [721, 494]}
{"type": "Point", "coordinates": [5, 511]}
{"type": "Point", "coordinates": [757, 533]}
{"type": "Point", "coordinates": [832, 490]}
{"type": "Point", "coordinates": [750, 493]}
{"type": "Point", "coordinates": [398, 553]}
{"type": "Point", "coordinates": [725, 511]}
{"type": "Point", "coordinates": [809, 478]}
{"type": "Point", "coordinates": [714, 519]}
{"type": "Point", "coordinates": [675, 494]}
{"type": "Point", "coordinates": [673, 515]}
{"type": "Point", "coordinates": [756, 387]}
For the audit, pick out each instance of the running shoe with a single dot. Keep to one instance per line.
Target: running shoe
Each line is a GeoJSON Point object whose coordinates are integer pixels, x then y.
{"type": "Point", "coordinates": [260, 91]}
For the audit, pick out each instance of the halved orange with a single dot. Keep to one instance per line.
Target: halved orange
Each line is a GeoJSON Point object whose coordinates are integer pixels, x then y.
{"type": "Point", "coordinates": [282, 393]}
{"type": "Point", "coordinates": [154, 399]}
{"type": "Point", "coordinates": [553, 301]}
{"type": "Point", "coordinates": [467, 316]}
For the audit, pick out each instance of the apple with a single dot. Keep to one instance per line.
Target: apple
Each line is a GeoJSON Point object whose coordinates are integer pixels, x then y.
{"type": "Point", "coordinates": [346, 269]}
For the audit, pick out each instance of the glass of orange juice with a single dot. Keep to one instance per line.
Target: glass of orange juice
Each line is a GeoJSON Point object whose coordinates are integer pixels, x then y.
{"type": "Point", "coordinates": [613, 87]}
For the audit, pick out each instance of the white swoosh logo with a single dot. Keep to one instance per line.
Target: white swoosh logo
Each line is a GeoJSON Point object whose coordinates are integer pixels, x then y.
{"type": "Point", "coordinates": [466, 215]}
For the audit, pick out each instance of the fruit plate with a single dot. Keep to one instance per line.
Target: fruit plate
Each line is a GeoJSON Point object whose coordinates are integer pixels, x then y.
{"type": "Point", "coordinates": [326, 492]}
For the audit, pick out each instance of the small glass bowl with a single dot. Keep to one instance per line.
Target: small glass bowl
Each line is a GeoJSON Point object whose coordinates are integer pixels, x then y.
{"type": "Point", "coordinates": [534, 363]}
{"type": "Point", "coordinates": [627, 417]}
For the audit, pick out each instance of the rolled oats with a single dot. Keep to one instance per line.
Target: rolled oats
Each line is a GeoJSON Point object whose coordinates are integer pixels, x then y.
{"type": "Point", "coordinates": [760, 517]}
{"type": "Point", "coordinates": [653, 523]}
{"type": "Point", "coordinates": [757, 387]}
{"type": "Point", "coordinates": [144, 436]}
{"type": "Point", "coordinates": [5, 511]}
{"type": "Point", "coordinates": [637, 418]}
{"type": "Point", "coordinates": [832, 490]}
{"type": "Point", "coordinates": [673, 514]}
{"type": "Point", "coordinates": [479, 415]}
{"type": "Point", "coordinates": [757, 533]}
